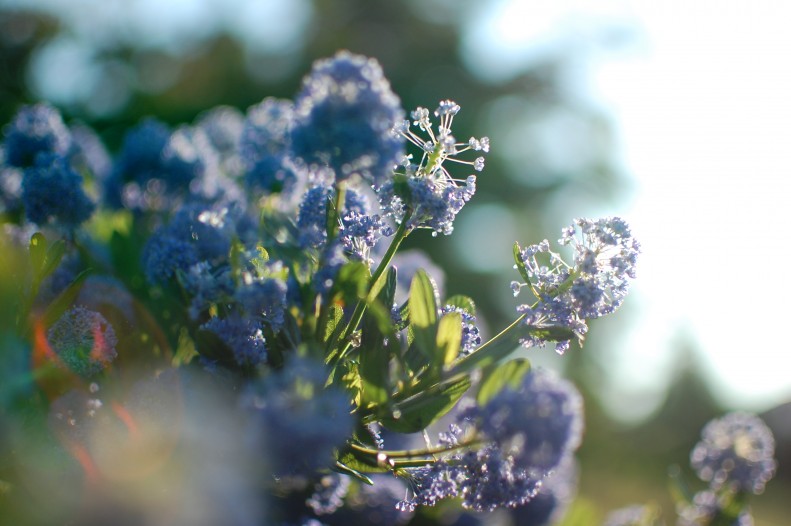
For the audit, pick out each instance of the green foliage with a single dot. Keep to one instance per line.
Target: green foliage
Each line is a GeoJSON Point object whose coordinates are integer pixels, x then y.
{"type": "Point", "coordinates": [498, 377]}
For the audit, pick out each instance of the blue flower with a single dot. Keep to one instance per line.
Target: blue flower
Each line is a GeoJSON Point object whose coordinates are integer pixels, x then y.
{"type": "Point", "coordinates": [243, 336]}
{"type": "Point", "coordinates": [83, 340]}
{"type": "Point", "coordinates": [52, 193]}
{"type": "Point", "coordinates": [35, 129]}
{"type": "Point", "coordinates": [344, 118]}
{"type": "Point", "coordinates": [329, 493]}
{"type": "Point", "coordinates": [735, 451]}
{"type": "Point", "coordinates": [537, 425]}
{"type": "Point", "coordinates": [195, 233]}
{"type": "Point", "coordinates": [265, 146]}
{"type": "Point", "coordinates": [431, 202]}
{"type": "Point", "coordinates": [140, 158]}
{"type": "Point", "coordinates": [263, 299]}
{"type": "Point", "coordinates": [595, 285]}
{"type": "Point", "coordinates": [705, 508]}
{"type": "Point", "coordinates": [299, 420]}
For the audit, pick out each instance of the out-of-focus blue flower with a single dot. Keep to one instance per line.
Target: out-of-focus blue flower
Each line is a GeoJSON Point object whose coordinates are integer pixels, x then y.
{"type": "Point", "coordinates": [223, 126]}
{"type": "Point", "coordinates": [705, 508]}
{"type": "Point", "coordinates": [538, 424]}
{"type": "Point", "coordinates": [736, 451]}
{"type": "Point", "coordinates": [35, 129]}
{"type": "Point", "coordinates": [88, 152]}
{"type": "Point", "coordinates": [554, 496]}
{"type": "Point", "coordinates": [263, 299]}
{"type": "Point", "coordinates": [195, 233]}
{"type": "Point", "coordinates": [328, 494]}
{"type": "Point", "coordinates": [10, 186]}
{"type": "Point", "coordinates": [83, 340]}
{"type": "Point", "coordinates": [52, 193]}
{"type": "Point", "coordinates": [299, 420]}
{"type": "Point", "coordinates": [344, 118]}
{"type": "Point", "coordinates": [242, 335]}
{"type": "Point", "coordinates": [265, 146]}
{"type": "Point", "coordinates": [207, 286]}
{"type": "Point", "coordinates": [138, 162]}
{"type": "Point", "coordinates": [527, 433]}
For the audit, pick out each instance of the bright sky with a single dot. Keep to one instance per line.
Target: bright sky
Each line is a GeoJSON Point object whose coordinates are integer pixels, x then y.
{"type": "Point", "coordinates": [701, 103]}
{"type": "Point", "coordinates": [700, 98]}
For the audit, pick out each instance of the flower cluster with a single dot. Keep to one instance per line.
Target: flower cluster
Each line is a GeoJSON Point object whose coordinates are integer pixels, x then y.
{"type": "Point", "coordinates": [735, 456]}
{"type": "Point", "coordinates": [594, 285]}
{"type": "Point", "coordinates": [526, 434]}
{"type": "Point", "coordinates": [235, 289]}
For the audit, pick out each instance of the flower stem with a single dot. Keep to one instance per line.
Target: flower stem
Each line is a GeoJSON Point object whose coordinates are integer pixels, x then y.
{"type": "Point", "coordinates": [375, 284]}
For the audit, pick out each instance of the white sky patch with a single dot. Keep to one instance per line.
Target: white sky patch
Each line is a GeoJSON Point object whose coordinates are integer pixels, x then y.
{"type": "Point", "coordinates": [702, 109]}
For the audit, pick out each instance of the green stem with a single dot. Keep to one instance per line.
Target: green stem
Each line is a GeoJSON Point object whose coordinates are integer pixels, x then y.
{"type": "Point", "coordinates": [411, 454]}
{"type": "Point", "coordinates": [335, 212]}
{"type": "Point", "coordinates": [375, 284]}
{"type": "Point", "coordinates": [489, 352]}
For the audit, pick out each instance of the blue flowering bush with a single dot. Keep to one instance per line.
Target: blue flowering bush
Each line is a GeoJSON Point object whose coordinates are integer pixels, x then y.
{"type": "Point", "coordinates": [217, 326]}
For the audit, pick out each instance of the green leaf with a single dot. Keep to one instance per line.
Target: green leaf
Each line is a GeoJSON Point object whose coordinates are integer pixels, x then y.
{"type": "Point", "coordinates": [550, 333]}
{"type": "Point", "coordinates": [463, 302]}
{"type": "Point", "coordinates": [334, 318]}
{"type": "Point", "coordinates": [423, 312]}
{"type": "Point", "coordinates": [385, 285]}
{"type": "Point", "coordinates": [520, 265]}
{"type": "Point", "coordinates": [350, 460]}
{"type": "Point", "coordinates": [352, 281]}
{"type": "Point", "coordinates": [374, 367]}
{"type": "Point", "coordinates": [64, 300]}
{"type": "Point", "coordinates": [448, 339]}
{"type": "Point", "coordinates": [422, 409]}
{"type": "Point", "coordinates": [53, 258]}
{"type": "Point", "coordinates": [38, 252]}
{"type": "Point", "coordinates": [499, 377]}
{"type": "Point", "coordinates": [209, 345]}
{"type": "Point", "coordinates": [375, 355]}
{"type": "Point", "coordinates": [236, 259]}
{"type": "Point", "coordinates": [340, 467]}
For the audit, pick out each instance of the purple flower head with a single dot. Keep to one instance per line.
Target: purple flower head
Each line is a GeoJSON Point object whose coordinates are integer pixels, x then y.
{"type": "Point", "coordinates": [83, 340]}
{"type": "Point", "coordinates": [536, 426]}
{"type": "Point", "coordinates": [35, 129]}
{"type": "Point", "coordinates": [299, 420]}
{"type": "Point", "coordinates": [263, 299]}
{"type": "Point", "coordinates": [223, 127]}
{"type": "Point", "coordinates": [265, 146]}
{"type": "Point", "coordinates": [329, 493]}
{"type": "Point", "coordinates": [52, 193]}
{"type": "Point", "coordinates": [431, 202]}
{"type": "Point", "coordinates": [243, 336]}
{"type": "Point", "coordinates": [88, 153]}
{"type": "Point", "coordinates": [605, 257]}
{"type": "Point", "coordinates": [344, 118]}
{"type": "Point", "coordinates": [195, 233]}
{"type": "Point", "coordinates": [705, 508]}
{"type": "Point", "coordinates": [735, 451]}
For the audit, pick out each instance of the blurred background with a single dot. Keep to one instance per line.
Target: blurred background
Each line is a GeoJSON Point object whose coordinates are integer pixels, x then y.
{"type": "Point", "coordinates": [673, 115]}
